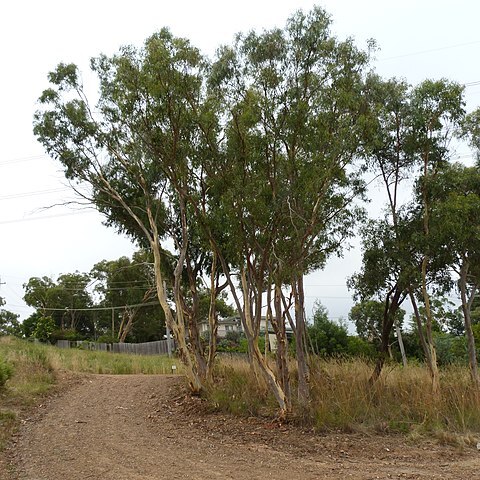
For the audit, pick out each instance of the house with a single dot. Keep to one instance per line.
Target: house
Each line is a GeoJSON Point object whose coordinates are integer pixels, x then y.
{"type": "Point", "coordinates": [225, 325]}
{"type": "Point", "coordinates": [234, 324]}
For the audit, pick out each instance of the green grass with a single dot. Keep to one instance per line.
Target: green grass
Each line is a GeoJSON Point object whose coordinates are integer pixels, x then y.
{"type": "Point", "coordinates": [84, 361]}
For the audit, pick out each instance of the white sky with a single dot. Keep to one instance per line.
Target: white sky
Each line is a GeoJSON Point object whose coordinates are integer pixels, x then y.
{"type": "Point", "coordinates": [418, 40]}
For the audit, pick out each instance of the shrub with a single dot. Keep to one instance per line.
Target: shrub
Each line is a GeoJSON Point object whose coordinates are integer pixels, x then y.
{"type": "Point", "coordinates": [6, 371]}
{"type": "Point", "coordinates": [44, 328]}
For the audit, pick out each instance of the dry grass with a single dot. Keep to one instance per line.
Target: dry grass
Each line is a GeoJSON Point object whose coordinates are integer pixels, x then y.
{"type": "Point", "coordinates": [342, 399]}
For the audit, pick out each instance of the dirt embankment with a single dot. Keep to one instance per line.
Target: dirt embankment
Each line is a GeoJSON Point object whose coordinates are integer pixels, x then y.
{"type": "Point", "coordinates": [141, 428]}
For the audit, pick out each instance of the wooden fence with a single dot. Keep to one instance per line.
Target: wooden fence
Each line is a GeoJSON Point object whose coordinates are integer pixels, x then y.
{"type": "Point", "coordinates": [159, 347]}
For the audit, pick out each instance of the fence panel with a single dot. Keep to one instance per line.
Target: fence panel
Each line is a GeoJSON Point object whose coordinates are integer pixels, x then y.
{"type": "Point", "coordinates": [160, 347]}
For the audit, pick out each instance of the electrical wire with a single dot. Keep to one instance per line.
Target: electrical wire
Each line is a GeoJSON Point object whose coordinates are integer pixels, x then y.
{"type": "Point", "coordinates": [34, 193]}
{"type": "Point", "coordinates": [44, 217]}
{"type": "Point", "coordinates": [432, 50]}
{"type": "Point", "coordinates": [22, 159]}
{"type": "Point", "coordinates": [91, 309]}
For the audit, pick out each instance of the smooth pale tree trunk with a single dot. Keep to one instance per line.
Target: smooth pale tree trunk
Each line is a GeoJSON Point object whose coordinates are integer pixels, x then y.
{"type": "Point", "coordinates": [467, 301]}
{"type": "Point", "coordinates": [126, 325]}
{"type": "Point", "coordinates": [401, 345]}
{"type": "Point", "coordinates": [430, 353]}
{"type": "Point", "coordinates": [176, 325]}
{"type": "Point", "coordinates": [260, 363]}
{"type": "Point", "coordinates": [433, 366]}
{"type": "Point", "coordinates": [432, 358]}
{"type": "Point", "coordinates": [194, 333]}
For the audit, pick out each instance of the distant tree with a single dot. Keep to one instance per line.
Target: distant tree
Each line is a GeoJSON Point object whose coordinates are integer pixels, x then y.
{"type": "Point", "coordinates": [66, 301]}
{"type": "Point", "coordinates": [368, 318]}
{"type": "Point", "coordinates": [327, 337]}
{"type": "Point", "coordinates": [9, 324]}
{"type": "Point", "coordinates": [128, 287]}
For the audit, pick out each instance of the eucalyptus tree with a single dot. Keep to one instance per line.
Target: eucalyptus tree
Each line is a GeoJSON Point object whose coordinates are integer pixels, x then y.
{"type": "Point", "coordinates": [294, 126]}
{"type": "Point", "coordinates": [132, 153]}
{"type": "Point", "coordinates": [411, 132]}
{"type": "Point", "coordinates": [455, 205]}
{"type": "Point", "coordinates": [388, 268]}
{"type": "Point", "coordinates": [388, 158]}
{"type": "Point", "coordinates": [437, 111]}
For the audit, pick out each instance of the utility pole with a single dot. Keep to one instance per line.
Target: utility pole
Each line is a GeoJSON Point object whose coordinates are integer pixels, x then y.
{"type": "Point", "coordinates": [1, 299]}
{"type": "Point", "coordinates": [169, 345]}
{"type": "Point", "coordinates": [113, 323]}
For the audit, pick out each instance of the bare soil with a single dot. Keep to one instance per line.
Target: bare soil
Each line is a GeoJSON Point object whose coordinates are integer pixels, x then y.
{"type": "Point", "coordinates": [140, 427]}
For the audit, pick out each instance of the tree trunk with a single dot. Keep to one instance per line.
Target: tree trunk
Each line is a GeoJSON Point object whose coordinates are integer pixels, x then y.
{"type": "Point", "coordinates": [433, 367]}
{"type": "Point", "coordinates": [252, 334]}
{"type": "Point", "coordinates": [176, 325]}
{"type": "Point", "coordinates": [212, 320]}
{"type": "Point", "coordinates": [278, 323]}
{"type": "Point", "coordinates": [467, 301]}
{"type": "Point", "coordinates": [400, 344]}
{"type": "Point", "coordinates": [125, 326]}
{"type": "Point", "coordinates": [430, 354]}
{"type": "Point", "coordinates": [303, 371]}
{"type": "Point", "coordinates": [391, 306]}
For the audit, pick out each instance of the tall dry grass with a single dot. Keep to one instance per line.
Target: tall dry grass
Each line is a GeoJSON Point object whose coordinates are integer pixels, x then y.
{"type": "Point", "coordinates": [342, 398]}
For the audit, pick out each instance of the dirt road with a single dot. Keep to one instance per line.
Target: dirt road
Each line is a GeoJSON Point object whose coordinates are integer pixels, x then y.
{"type": "Point", "coordinates": [143, 428]}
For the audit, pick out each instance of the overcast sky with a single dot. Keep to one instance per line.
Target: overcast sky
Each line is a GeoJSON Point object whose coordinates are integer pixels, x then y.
{"type": "Point", "coordinates": [417, 40]}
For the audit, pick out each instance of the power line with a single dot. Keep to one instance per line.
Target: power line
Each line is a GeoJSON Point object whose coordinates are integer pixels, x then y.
{"type": "Point", "coordinates": [34, 193]}
{"type": "Point", "coordinates": [44, 217]}
{"type": "Point", "coordinates": [432, 50]}
{"type": "Point", "coordinates": [472, 84]}
{"type": "Point", "coordinates": [91, 309]}
{"type": "Point", "coordinates": [22, 159]}
{"type": "Point", "coordinates": [122, 307]}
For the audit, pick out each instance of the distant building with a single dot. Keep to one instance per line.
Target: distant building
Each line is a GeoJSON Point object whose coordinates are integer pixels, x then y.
{"type": "Point", "coordinates": [234, 324]}
{"type": "Point", "coordinates": [225, 325]}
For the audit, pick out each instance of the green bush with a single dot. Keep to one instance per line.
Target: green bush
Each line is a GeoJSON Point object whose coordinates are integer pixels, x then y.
{"type": "Point", "coordinates": [65, 334]}
{"type": "Point", "coordinates": [6, 371]}
{"type": "Point", "coordinates": [44, 328]}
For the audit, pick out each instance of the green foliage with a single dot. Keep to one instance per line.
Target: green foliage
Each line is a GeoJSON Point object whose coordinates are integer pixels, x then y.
{"type": "Point", "coordinates": [368, 317]}
{"type": "Point", "coordinates": [29, 324]}
{"type": "Point", "coordinates": [327, 338]}
{"type": "Point", "coordinates": [9, 324]}
{"type": "Point", "coordinates": [66, 334]}
{"type": "Point", "coordinates": [44, 329]}
{"type": "Point", "coordinates": [6, 372]}
{"type": "Point", "coordinates": [222, 308]}
{"type": "Point", "coordinates": [451, 349]}
{"type": "Point", "coordinates": [358, 347]}
{"type": "Point", "coordinates": [236, 342]}
{"type": "Point", "coordinates": [64, 300]}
